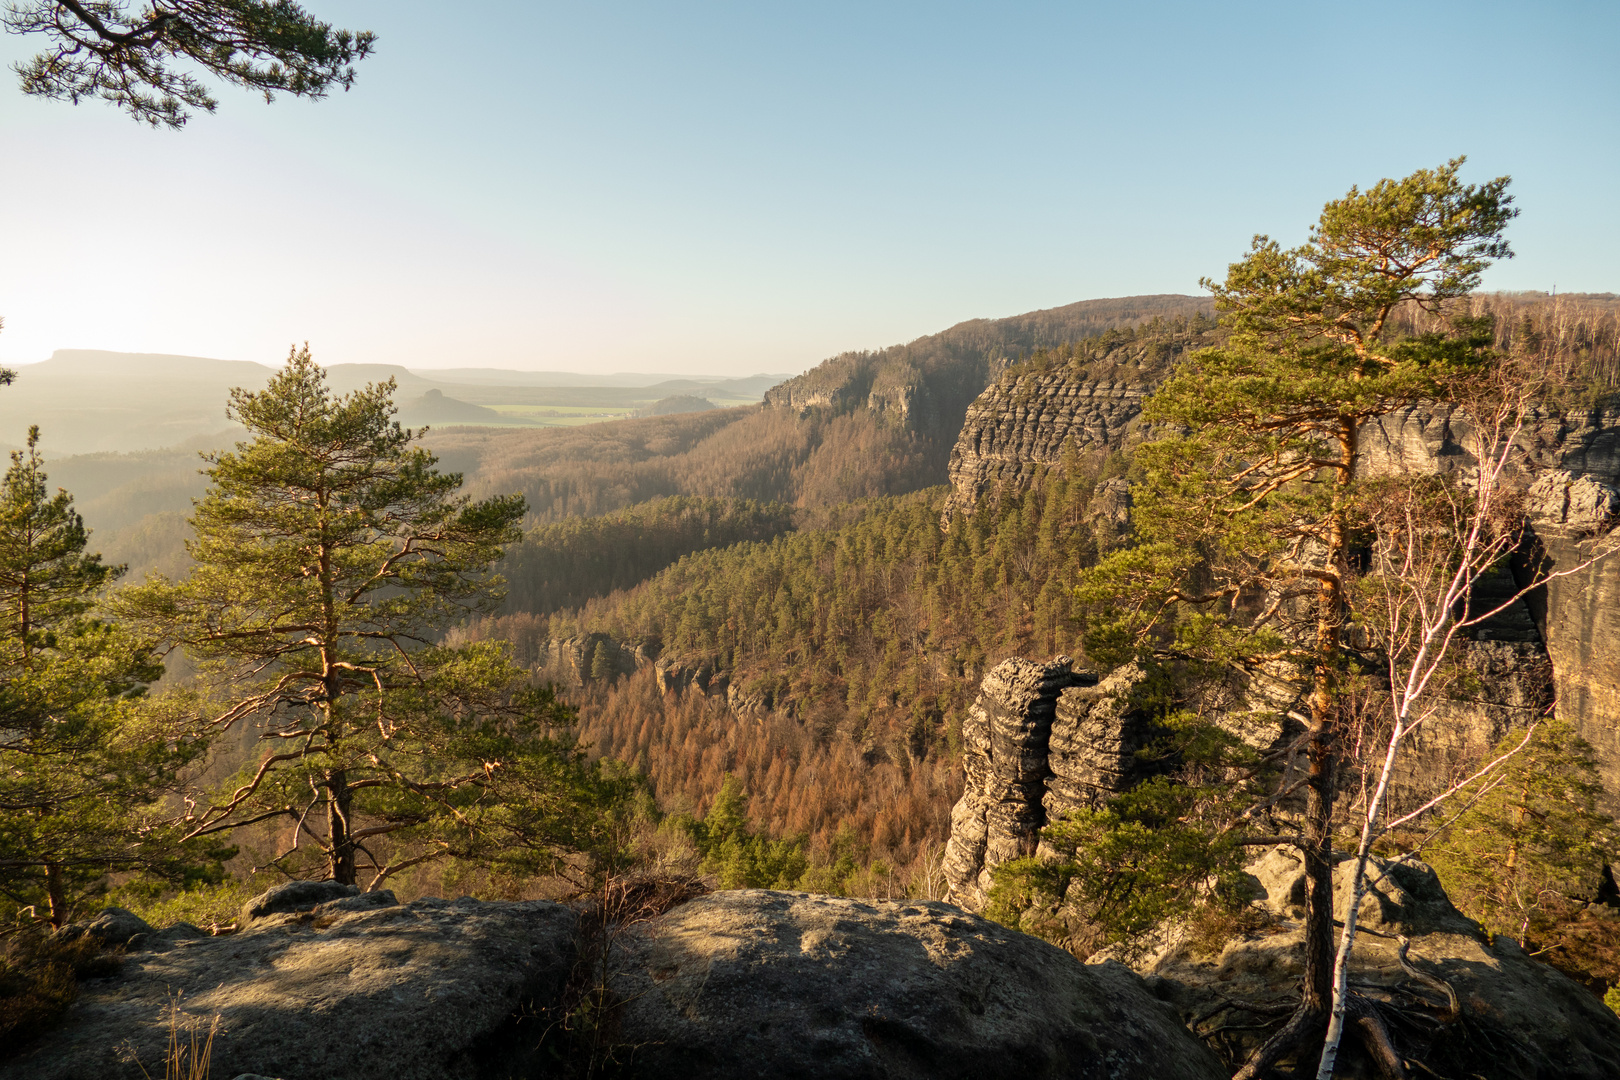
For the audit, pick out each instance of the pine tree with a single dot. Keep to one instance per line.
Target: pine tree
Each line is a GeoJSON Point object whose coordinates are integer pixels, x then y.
{"type": "Point", "coordinates": [83, 764]}
{"type": "Point", "coordinates": [1531, 837]}
{"type": "Point", "coordinates": [1245, 525]}
{"type": "Point", "coordinates": [601, 666]}
{"type": "Point", "coordinates": [330, 555]}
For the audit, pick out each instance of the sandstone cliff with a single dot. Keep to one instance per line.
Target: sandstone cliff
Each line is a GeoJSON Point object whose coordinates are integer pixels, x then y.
{"type": "Point", "coordinates": [1468, 1004]}
{"type": "Point", "coordinates": [926, 385]}
{"type": "Point", "coordinates": [1040, 741]}
{"type": "Point", "coordinates": [1092, 403]}
{"type": "Point", "coordinates": [1565, 637]}
{"type": "Point", "coordinates": [1043, 740]}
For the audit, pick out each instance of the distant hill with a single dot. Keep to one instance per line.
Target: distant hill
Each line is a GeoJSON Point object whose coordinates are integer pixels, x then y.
{"type": "Point", "coordinates": [434, 408]}
{"type": "Point", "coordinates": [88, 401]}
{"type": "Point", "coordinates": [680, 403]}
{"type": "Point", "coordinates": [926, 385]}
{"type": "Point", "coordinates": [860, 424]}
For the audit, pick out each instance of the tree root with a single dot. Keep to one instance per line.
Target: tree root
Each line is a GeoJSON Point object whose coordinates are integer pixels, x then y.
{"type": "Point", "coordinates": [1367, 1021]}
{"type": "Point", "coordinates": [1305, 1027]}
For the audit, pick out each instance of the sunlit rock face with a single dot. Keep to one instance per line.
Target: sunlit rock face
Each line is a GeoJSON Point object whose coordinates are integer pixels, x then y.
{"type": "Point", "coordinates": [1040, 741]}
{"type": "Point", "coordinates": [1561, 643]}
{"type": "Point", "coordinates": [322, 981]}
{"type": "Point", "coordinates": [1024, 423]}
{"type": "Point", "coordinates": [1515, 1018]}
{"type": "Point", "coordinates": [762, 983]}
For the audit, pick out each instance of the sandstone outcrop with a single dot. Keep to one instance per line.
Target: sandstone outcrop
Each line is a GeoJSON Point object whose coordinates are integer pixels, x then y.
{"type": "Point", "coordinates": [760, 983]}
{"type": "Point", "coordinates": [1517, 1019]}
{"type": "Point", "coordinates": [1565, 636]}
{"type": "Point", "coordinates": [1023, 423]}
{"type": "Point", "coordinates": [430, 990]}
{"type": "Point", "coordinates": [1040, 741]}
{"type": "Point", "coordinates": [573, 658]}
{"type": "Point", "coordinates": [1573, 497]}
{"type": "Point", "coordinates": [321, 986]}
{"type": "Point", "coordinates": [675, 676]}
{"type": "Point", "coordinates": [927, 385]}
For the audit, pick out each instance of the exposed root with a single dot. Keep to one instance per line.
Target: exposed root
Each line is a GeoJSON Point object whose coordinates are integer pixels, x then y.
{"type": "Point", "coordinates": [1304, 1027]}
{"type": "Point", "coordinates": [1367, 1021]}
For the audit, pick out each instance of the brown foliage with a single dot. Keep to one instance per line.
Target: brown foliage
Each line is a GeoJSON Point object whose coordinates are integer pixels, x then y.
{"type": "Point", "coordinates": [797, 784]}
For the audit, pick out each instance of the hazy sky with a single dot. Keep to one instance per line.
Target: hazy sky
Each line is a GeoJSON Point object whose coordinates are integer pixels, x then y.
{"type": "Point", "coordinates": [733, 188]}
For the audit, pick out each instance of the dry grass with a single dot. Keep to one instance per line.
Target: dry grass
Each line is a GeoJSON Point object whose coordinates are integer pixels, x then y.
{"type": "Point", "coordinates": [191, 1046]}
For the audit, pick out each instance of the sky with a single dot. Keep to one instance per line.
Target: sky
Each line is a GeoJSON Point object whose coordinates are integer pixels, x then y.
{"type": "Point", "coordinates": [736, 188]}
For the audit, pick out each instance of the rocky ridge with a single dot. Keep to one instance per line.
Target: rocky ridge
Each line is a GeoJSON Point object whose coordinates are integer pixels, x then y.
{"type": "Point", "coordinates": [1464, 1002]}
{"type": "Point", "coordinates": [1043, 740]}
{"type": "Point", "coordinates": [323, 983]}
{"type": "Point", "coordinates": [926, 385]}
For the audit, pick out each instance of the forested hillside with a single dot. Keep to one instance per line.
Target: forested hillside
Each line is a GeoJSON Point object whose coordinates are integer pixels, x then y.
{"type": "Point", "coordinates": [566, 563]}
{"type": "Point", "coordinates": [857, 649]}
{"type": "Point", "coordinates": [854, 645]}
{"type": "Point", "coordinates": [857, 426]}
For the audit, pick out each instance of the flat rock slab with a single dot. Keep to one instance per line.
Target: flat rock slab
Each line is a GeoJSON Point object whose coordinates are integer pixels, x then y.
{"type": "Point", "coordinates": [430, 990]}
{"type": "Point", "coordinates": [758, 983]}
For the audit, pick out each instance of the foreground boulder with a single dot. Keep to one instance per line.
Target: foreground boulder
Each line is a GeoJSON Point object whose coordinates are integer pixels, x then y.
{"type": "Point", "coordinates": [1514, 1019]}
{"type": "Point", "coordinates": [423, 991]}
{"type": "Point", "coordinates": [734, 984]}
{"type": "Point", "coordinates": [762, 983]}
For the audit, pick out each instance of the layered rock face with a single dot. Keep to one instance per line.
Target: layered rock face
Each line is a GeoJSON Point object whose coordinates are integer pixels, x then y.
{"type": "Point", "coordinates": [1572, 501]}
{"type": "Point", "coordinates": [1040, 740]}
{"type": "Point", "coordinates": [1022, 424]}
{"type": "Point", "coordinates": [573, 658]}
{"type": "Point", "coordinates": [1570, 629]}
{"type": "Point", "coordinates": [326, 983]}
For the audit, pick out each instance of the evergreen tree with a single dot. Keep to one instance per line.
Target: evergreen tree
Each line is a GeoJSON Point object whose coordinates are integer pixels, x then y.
{"type": "Point", "coordinates": [330, 555]}
{"type": "Point", "coordinates": [82, 763]}
{"type": "Point", "coordinates": [1531, 837]}
{"type": "Point", "coordinates": [1245, 524]}
{"type": "Point", "coordinates": [104, 50]}
{"type": "Point", "coordinates": [601, 665]}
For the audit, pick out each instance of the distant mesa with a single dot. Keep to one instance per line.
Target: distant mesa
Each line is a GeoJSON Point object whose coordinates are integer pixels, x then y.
{"type": "Point", "coordinates": [679, 403]}
{"type": "Point", "coordinates": [434, 408]}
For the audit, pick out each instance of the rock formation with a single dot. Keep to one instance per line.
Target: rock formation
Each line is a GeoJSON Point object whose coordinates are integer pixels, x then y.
{"type": "Point", "coordinates": [1039, 741]}
{"type": "Point", "coordinates": [1573, 496]}
{"type": "Point", "coordinates": [737, 984]}
{"type": "Point", "coordinates": [1516, 1018]}
{"type": "Point", "coordinates": [760, 983]}
{"type": "Point", "coordinates": [925, 386]}
{"type": "Point", "coordinates": [675, 676]}
{"type": "Point", "coordinates": [1024, 422]}
{"type": "Point", "coordinates": [353, 986]}
{"type": "Point", "coordinates": [571, 659]}
{"type": "Point", "coordinates": [1571, 628]}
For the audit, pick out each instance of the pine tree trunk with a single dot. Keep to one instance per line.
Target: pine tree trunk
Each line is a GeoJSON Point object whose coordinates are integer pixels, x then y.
{"type": "Point", "coordinates": [340, 853]}
{"type": "Point", "coordinates": [1317, 991]}
{"type": "Point", "coordinates": [55, 894]}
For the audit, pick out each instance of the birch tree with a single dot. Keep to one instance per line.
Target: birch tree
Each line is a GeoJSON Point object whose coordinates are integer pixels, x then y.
{"type": "Point", "coordinates": [1245, 523]}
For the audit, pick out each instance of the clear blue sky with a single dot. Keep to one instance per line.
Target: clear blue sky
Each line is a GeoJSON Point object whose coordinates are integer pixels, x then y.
{"type": "Point", "coordinates": [733, 188]}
